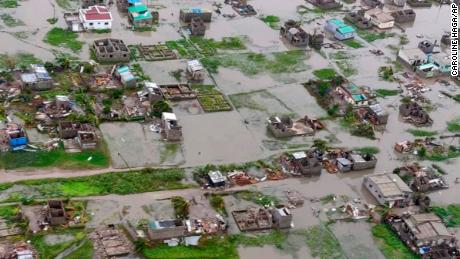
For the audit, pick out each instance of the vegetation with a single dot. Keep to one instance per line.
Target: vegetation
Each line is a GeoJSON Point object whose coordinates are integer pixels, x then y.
{"type": "Point", "coordinates": [352, 43]}
{"type": "Point", "coordinates": [368, 150]}
{"type": "Point", "coordinates": [451, 152]}
{"type": "Point", "coordinates": [370, 36]}
{"type": "Point", "coordinates": [257, 197]}
{"type": "Point", "coordinates": [19, 60]}
{"type": "Point", "coordinates": [422, 133]}
{"type": "Point", "coordinates": [199, 47]}
{"type": "Point", "coordinates": [274, 238]}
{"type": "Point", "coordinates": [10, 21]}
{"type": "Point", "coordinates": [159, 107]}
{"type": "Point", "coordinates": [181, 207]}
{"type": "Point", "coordinates": [85, 251]}
{"type": "Point", "coordinates": [456, 98]}
{"type": "Point", "coordinates": [9, 3]}
{"type": "Point", "coordinates": [64, 4]}
{"type": "Point", "coordinates": [450, 214]}
{"type": "Point", "coordinates": [346, 67]}
{"type": "Point", "coordinates": [272, 21]}
{"type": "Point", "coordinates": [48, 250]}
{"type": "Point", "coordinates": [9, 211]}
{"type": "Point", "coordinates": [255, 63]}
{"type": "Point", "coordinates": [63, 38]}
{"type": "Point", "coordinates": [217, 202]}
{"type": "Point", "coordinates": [453, 126]}
{"type": "Point", "coordinates": [146, 180]}
{"type": "Point", "coordinates": [210, 99]}
{"type": "Point", "coordinates": [389, 243]}
{"type": "Point", "coordinates": [52, 20]}
{"type": "Point", "coordinates": [55, 158]}
{"type": "Point", "coordinates": [322, 242]}
{"type": "Point", "coordinates": [386, 92]}
{"type": "Point", "coordinates": [325, 73]}
{"type": "Point", "coordinates": [386, 73]}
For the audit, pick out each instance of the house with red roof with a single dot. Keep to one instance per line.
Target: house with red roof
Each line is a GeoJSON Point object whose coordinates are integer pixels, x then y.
{"type": "Point", "coordinates": [96, 17]}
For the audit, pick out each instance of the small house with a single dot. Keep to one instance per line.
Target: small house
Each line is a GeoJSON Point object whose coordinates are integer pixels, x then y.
{"type": "Point", "coordinates": [325, 4]}
{"type": "Point", "coordinates": [56, 213]}
{"type": "Point", "coordinates": [187, 14]}
{"type": "Point", "coordinates": [426, 46]}
{"type": "Point", "coordinates": [195, 70]}
{"type": "Point", "coordinates": [379, 18]}
{"type": "Point", "coordinates": [339, 29]}
{"type": "Point", "coordinates": [171, 129]}
{"type": "Point", "coordinates": [197, 26]}
{"type": "Point", "coordinates": [362, 161]}
{"type": "Point", "coordinates": [282, 217]}
{"type": "Point", "coordinates": [388, 189]}
{"type": "Point", "coordinates": [125, 76]}
{"type": "Point", "coordinates": [404, 16]}
{"type": "Point", "coordinates": [357, 19]}
{"type": "Point", "coordinates": [380, 114]}
{"type": "Point", "coordinates": [111, 50]}
{"type": "Point", "coordinates": [139, 16]}
{"type": "Point", "coordinates": [96, 17]}
{"type": "Point", "coordinates": [253, 219]}
{"type": "Point", "coordinates": [343, 164]}
{"type": "Point", "coordinates": [37, 78]}
{"type": "Point", "coordinates": [151, 93]}
{"type": "Point", "coordinates": [216, 179]}
{"type": "Point", "coordinates": [294, 34]}
{"type": "Point", "coordinates": [442, 61]}
{"type": "Point", "coordinates": [87, 139]}
{"type": "Point", "coordinates": [166, 229]}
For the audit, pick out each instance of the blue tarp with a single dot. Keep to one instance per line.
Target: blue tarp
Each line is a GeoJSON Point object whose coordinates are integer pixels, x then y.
{"type": "Point", "coordinates": [18, 141]}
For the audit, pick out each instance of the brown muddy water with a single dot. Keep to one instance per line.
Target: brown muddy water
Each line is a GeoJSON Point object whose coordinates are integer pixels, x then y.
{"type": "Point", "coordinates": [240, 135]}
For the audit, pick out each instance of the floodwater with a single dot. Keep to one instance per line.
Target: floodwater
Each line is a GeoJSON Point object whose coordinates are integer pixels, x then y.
{"type": "Point", "coordinates": [240, 135]}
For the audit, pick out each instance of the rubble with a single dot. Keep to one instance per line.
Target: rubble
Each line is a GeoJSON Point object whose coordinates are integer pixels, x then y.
{"type": "Point", "coordinates": [111, 50]}
{"type": "Point", "coordinates": [294, 34]}
{"type": "Point", "coordinates": [413, 113]}
{"type": "Point", "coordinates": [110, 242]}
{"type": "Point", "coordinates": [421, 179]}
{"type": "Point", "coordinates": [178, 92]}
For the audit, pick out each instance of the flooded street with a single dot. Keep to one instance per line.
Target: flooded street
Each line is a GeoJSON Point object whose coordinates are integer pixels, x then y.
{"type": "Point", "coordinates": [255, 93]}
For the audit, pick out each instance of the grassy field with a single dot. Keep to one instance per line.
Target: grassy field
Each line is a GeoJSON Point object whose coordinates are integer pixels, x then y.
{"type": "Point", "coordinates": [20, 59]}
{"type": "Point", "coordinates": [217, 202]}
{"type": "Point", "coordinates": [368, 150]}
{"type": "Point", "coordinates": [352, 43]}
{"type": "Point", "coordinates": [85, 251]}
{"type": "Point", "coordinates": [422, 133]}
{"type": "Point", "coordinates": [370, 36]}
{"type": "Point", "coordinates": [122, 183]}
{"type": "Point", "coordinates": [450, 214]}
{"type": "Point", "coordinates": [198, 47]}
{"type": "Point", "coordinates": [325, 73]}
{"type": "Point", "coordinates": [453, 126]}
{"type": "Point", "coordinates": [8, 211]}
{"type": "Point", "coordinates": [63, 38]}
{"type": "Point", "coordinates": [322, 242]}
{"type": "Point", "coordinates": [390, 245]}
{"type": "Point", "coordinates": [9, 3]}
{"type": "Point", "coordinates": [386, 92]}
{"type": "Point", "coordinates": [88, 159]}
{"type": "Point", "coordinates": [50, 251]}
{"type": "Point", "coordinates": [10, 21]}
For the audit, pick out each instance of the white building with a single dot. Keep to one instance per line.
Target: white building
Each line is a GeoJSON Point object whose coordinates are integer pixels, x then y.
{"type": "Point", "coordinates": [380, 18]}
{"type": "Point", "coordinates": [96, 18]}
{"type": "Point", "coordinates": [388, 189]}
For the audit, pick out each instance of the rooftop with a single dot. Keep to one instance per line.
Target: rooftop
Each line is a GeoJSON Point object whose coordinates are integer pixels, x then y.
{"type": "Point", "coordinates": [96, 13]}
{"type": "Point", "coordinates": [390, 184]}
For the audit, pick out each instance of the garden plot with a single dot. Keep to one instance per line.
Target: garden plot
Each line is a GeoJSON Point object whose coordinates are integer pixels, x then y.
{"type": "Point", "coordinates": [210, 99]}
{"type": "Point", "coordinates": [135, 145]}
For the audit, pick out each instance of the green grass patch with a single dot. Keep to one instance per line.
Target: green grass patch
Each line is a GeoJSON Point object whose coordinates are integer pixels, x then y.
{"type": "Point", "coordinates": [371, 36]}
{"type": "Point", "coordinates": [386, 92]}
{"type": "Point", "coordinates": [456, 98]}
{"type": "Point", "coordinates": [64, 4]}
{"type": "Point", "coordinates": [86, 159]}
{"type": "Point", "coordinates": [453, 126]}
{"type": "Point", "coordinates": [18, 60]}
{"type": "Point", "coordinates": [169, 150]}
{"type": "Point", "coordinates": [63, 38]}
{"type": "Point", "coordinates": [450, 214]}
{"type": "Point", "coordinates": [272, 21]}
{"type": "Point", "coordinates": [389, 243]}
{"type": "Point", "coordinates": [9, 3]}
{"type": "Point", "coordinates": [339, 55]}
{"type": "Point", "coordinates": [274, 238]}
{"type": "Point", "coordinates": [8, 211]}
{"type": "Point", "coordinates": [199, 47]}
{"type": "Point", "coordinates": [10, 21]}
{"type": "Point", "coordinates": [352, 43]}
{"type": "Point", "coordinates": [422, 133]}
{"type": "Point", "coordinates": [147, 180]}
{"type": "Point", "coordinates": [246, 100]}
{"type": "Point", "coordinates": [325, 73]}
{"type": "Point", "coordinates": [85, 251]}
{"type": "Point", "coordinates": [346, 68]}
{"type": "Point", "coordinates": [217, 202]}
{"type": "Point", "coordinates": [48, 250]}
{"type": "Point", "coordinates": [209, 248]}
{"type": "Point", "coordinates": [322, 242]}
{"type": "Point", "coordinates": [257, 197]}
{"type": "Point", "coordinates": [367, 150]}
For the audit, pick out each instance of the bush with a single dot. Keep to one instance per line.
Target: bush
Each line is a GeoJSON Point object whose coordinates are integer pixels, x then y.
{"type": "Point", "coordinates": [181, 207]}
{"type": "Point", "coordinates": [159, 107]}
{"type": "Point", "coordinates": [217, 202]}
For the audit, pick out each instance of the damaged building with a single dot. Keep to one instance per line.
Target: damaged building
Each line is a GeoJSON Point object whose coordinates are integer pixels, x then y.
{"type": "Point", "coordinates": [151, 93]}
{"type": "Point", "coordinates": [56, 213]}
{"type": "Point", "coordinates": [111, 50]}
{"type": "Point", "coordinates": [197, 26]}
{"type": "Point", "coordinates": [301, 164]}
{"type": "Point", "coordinates": [325, 4]}
{"type": "Point", "coordinates": [388, 189]}
{"type": "Point", "coordinates": [13, 137]}
{"type": "Point", "coordinates": [357, 19]}
{"type": "Point", "coordinates": [413, 113]}
{"type": "Point", "coordinates": [166, 229]}
{"type": "Point", "coordinates": [294, 34]}
{"type": "Point", "coordinates": [426, 235]}
{"type": "Point", "coordinates": [195, 71]}
{"type": "Point", "coordinates": [404, 16]}
{"type": "Point", "coordinates": [379, 18]}
{"type": "Point", "coordinates": [242, 7]}
{"type": "Point", "coordinates": [186, 14]}
{"type": "Point", "coordinates": [172, 131]}
{"type": "Point", "coordinates": [373, 3]}
{"type": "Point", "coordinates": [373, 113]}
{"type": "Point", "coordinates": [178, 92]}
{"type": "Point", "coordinates": [361, 161]}
{"type": "Point", "coordinates": [284, 126]}
{"type": "Point", "coordinates": [426, 46]}
{"type": "Point", "coordinates": [254, 219]}
{"type": "Point", "coordinates": [110, 242]}
{"type": "Point", "coordinates": [421, 179]}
